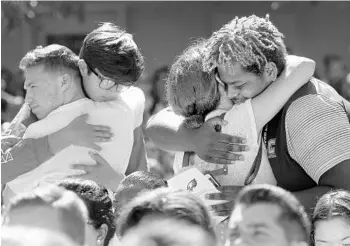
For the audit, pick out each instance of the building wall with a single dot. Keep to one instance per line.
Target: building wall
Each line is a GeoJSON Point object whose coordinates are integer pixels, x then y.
{"type": "Point", "coordinates": [163, 29]}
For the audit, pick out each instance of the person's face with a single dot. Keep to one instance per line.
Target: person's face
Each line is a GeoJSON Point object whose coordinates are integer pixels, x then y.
{"type": "Point", "coordinates": [333, 232]}
{"type": "Point", "coordinates": [36, 216]}
{"type": "Point", "coordinates": [44, 92]}
{"type": "Point", "coordinates": [256, 225]}
{"type": "Point", "coordinates": [241, 85]}
{"type": "Point", "coordinates": [93, 81]}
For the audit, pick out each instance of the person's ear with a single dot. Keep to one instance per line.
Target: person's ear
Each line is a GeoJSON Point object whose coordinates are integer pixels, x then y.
{"type": "Point", "coordinates": [83, 68]}
{"type": "Point", "coordinates": [66, 81]}
{"type": "Point", "coordinates": [270, 72]}
{"type": "Point", "coordinates": [102, 233]}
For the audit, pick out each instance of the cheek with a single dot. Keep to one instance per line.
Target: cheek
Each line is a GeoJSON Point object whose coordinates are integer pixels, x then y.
{"type": "Point", "coordinates": [90, 236]}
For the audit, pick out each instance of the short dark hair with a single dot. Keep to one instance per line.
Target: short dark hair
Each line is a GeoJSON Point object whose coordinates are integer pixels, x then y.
{"type": "Point", "coordinates": [191, 91]}
{"type": "Point", "coordinates": [251, 41]}
{"type": "Point", "coordinates": [97, 201]}
{"type": "Point", "coordinates": [134, 183]}
{"type": "Point", "coordinates": [331, 205]}
{"type": "Point", "coordinates": [178, 204]}
{"type": "Point", "coordinates": [114, 53]}
{"type": "Point", "coordinates": [165, 231]}
{"type": "Point", "coordinates": [71, 207]}
{"type": "Point", "coordinates": [53, 57]}
{"type": "Point", "coordinates": [293, 217]}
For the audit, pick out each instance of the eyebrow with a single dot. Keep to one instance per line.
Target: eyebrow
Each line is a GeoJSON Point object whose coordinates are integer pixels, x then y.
{"type": "Point", "coordinates": [258, 225]}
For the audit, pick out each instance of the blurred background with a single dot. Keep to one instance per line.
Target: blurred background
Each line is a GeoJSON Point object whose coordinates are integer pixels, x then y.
{"type": "Point", "coordinates": [319, 30]}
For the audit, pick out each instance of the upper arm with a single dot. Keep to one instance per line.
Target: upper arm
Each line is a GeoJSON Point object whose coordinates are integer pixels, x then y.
{"type": "Point", "coordinates": [337, 176]}
{"type": "Point", "coordinates": [266, 105]}
{"type": "Point", "coordinates": [166, 118]}
{"type": "Point", "coordinates": [318, 135]}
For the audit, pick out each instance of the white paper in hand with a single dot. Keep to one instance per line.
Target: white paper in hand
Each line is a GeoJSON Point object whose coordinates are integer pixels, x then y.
{"type": "Point", "coordinates": [193, 180]}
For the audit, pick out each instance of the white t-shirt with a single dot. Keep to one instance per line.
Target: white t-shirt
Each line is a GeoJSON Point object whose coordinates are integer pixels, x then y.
{"type": "Point", "coordinates": [123, 115]}
{"type": "Point", "coordinates": [241, 123]}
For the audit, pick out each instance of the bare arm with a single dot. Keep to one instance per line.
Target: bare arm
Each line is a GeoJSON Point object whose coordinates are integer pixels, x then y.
{"type": "Point", "coordinates": [167, 132]}
{"type": "Point", "coordinates": [137, 161]}
{"type": "Point", "coordinates": [266, 105]}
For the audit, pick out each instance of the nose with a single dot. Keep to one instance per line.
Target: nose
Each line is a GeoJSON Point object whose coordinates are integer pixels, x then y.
{"type": "Point", "coordinates": [28, 99]}
{"type": "Point", "coordinates": [232, 91]}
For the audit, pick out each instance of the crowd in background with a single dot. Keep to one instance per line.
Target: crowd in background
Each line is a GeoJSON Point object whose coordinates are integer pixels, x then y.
{"type": "Point", "coordinates": [134, 205]}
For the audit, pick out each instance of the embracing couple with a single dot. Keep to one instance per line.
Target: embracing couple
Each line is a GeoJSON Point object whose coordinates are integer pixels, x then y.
{"type": "Point", "coordinates": [253, 114]}
{"type": "Point", "coordinates": [83, 104]}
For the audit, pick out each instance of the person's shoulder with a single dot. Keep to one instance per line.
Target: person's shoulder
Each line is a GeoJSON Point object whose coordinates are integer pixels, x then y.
{"type": "Point", "coordinates": [133, 96]}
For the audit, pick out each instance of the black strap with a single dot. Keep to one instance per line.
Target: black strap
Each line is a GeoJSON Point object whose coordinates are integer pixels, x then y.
{"type": "Point", "coordinates": [186, 159]}
{"type": "Point", "coordinates": [255, 167]}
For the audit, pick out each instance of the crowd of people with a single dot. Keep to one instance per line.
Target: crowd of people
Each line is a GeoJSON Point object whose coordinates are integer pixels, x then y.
{"type": "Point", "coordinates": [90, 160]}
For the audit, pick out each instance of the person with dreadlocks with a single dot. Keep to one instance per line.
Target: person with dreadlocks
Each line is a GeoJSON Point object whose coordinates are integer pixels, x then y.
{"type": "Point", "coordinates": [197, 96]}
{"type": "Point", "coordinates": [307, 142]}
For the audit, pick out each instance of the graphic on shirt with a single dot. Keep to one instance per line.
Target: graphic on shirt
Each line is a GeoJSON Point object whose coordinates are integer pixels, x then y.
{"type": "Point", "coordinates": [271, 148]}
{"type": "Point", "coordinates": [6, 156]}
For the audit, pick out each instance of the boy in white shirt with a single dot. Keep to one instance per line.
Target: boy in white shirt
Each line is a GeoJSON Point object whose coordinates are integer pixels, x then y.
{"type": "Point", "coordinates": [118, 106]}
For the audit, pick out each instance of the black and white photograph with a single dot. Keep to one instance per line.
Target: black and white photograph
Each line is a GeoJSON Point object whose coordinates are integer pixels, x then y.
{"type": "Point", "coordinates": [175, 123]}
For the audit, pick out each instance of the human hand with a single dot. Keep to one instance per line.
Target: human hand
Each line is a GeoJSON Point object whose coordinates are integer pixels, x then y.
{"type": "Point", "coordinates": [79, 133]}
{"type": "Point", "coordinates": [101, 173]}
{"type": "Point", "coordinates": [9, 141]}
{"type": "Point", "coordinates": [215, 147]}
{"type": "Point", "coordinates": [229, 194]}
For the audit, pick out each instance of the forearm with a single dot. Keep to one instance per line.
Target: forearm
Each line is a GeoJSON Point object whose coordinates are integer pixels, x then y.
{"type": "Point", "coordinates": [23, 157]}
{"type": "Point", "coordinates": [297, 72]}
{"type": "Point", "coordinates": [166, 131]}
{"type": "Point", "coordinates": [137, 161]}
{"type": "Point", "coordinates": [309, 197]}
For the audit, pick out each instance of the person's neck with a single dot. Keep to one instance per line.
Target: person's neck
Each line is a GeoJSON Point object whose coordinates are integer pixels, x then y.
{"type": "Point", "coordinates": [75, 96]}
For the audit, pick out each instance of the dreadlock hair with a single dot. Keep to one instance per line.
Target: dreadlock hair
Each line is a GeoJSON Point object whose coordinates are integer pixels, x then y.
{"type": "Point", "coordinates": [190, 91]}
{"type": "Point", "coordinates": [251, 41]}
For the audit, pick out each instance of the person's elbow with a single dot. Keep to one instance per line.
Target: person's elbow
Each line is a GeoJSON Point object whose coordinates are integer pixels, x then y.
{"type": "Point", "coordinates": [309, 66]}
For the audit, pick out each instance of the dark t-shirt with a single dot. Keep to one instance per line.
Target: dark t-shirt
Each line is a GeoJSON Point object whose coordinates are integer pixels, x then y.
{"type": "Point", "coordinates": [308, 136]}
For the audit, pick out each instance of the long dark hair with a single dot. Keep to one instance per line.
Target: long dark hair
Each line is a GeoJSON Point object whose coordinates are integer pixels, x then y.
{"type": "Point", "coordinates": [154, 81]}
{"type": "Point", "coordinates": [97, 201]}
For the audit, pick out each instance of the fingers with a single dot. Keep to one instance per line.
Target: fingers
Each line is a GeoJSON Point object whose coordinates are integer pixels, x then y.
{"type": "Point", "coordinates": [84, 168]}
{"type": "Point", "coordinates": [220, 157]}
{"type": "Point", "coordinates": [227, 206]}
{"type": "Point", "coordinates": [99, 159]}
{"type": "Point", "coordinates": [95, 146]}
{"type": "Point", "coordinates": [217, 160]}
{"type": "Point", "coordinates": [215, 196]}
{"type": "Point", "coordinates": [216, 121]}
{"type": "Point", "coordinates": [228, 139]}
{"type": "Point", "coordinates": [229, 147]}
{"type": "Point", "coordinates": [230, 188]}
{"type": "Point", "coordinates": [223, 213]}
{"type": "Point", "coordinates": [101, 128]}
